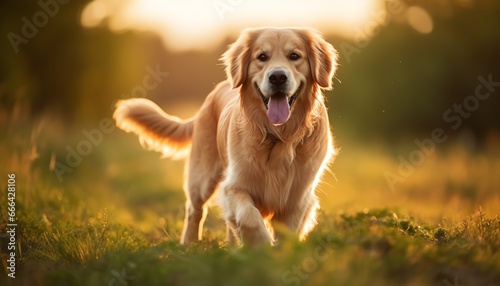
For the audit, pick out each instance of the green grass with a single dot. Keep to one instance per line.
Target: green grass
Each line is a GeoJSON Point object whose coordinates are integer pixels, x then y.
{"type": "Point", "coordinates": [116, 220]}
{"type": "Point", "coordinates": [377, 247]}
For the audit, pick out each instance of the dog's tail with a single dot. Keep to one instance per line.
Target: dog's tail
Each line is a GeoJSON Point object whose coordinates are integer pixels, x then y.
{"type": "Point", "coordinates": [157, 130]}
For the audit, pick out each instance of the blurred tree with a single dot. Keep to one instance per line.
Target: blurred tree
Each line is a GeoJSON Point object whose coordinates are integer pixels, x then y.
{"type": "Point", "coordinates": [400, 84]}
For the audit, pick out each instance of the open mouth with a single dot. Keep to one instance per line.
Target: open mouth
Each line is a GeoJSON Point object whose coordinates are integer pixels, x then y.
{"type": "Point", "coordinates": [291, 100]}
{"type": "Point", "coordinates": [279, 105]}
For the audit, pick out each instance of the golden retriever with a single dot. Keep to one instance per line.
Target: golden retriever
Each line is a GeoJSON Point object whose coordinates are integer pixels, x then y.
{"type": "Point", "coordinates": [262, 137]}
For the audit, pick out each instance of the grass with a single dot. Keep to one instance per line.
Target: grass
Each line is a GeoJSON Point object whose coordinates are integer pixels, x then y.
{"type": "Point", "coordinates": [116, 220]}
{"type": "Point", "coordinates": [377, 247]}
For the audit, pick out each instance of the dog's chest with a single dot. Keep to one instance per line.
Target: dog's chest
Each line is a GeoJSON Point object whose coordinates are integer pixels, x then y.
{"type": "Point", "coordinates": [273, 175]}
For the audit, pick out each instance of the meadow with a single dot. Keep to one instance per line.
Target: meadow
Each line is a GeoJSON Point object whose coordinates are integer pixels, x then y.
{"type": "Point", "coordinates": [116, 220]}
{"type": "Point", "coordinates": [93, 208]}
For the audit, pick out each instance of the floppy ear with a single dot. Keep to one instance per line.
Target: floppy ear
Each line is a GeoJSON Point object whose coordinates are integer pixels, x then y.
{"type": "Point", "coordinates": [322, 58]}
{"type": "Point", "coordinates": [237, 58]}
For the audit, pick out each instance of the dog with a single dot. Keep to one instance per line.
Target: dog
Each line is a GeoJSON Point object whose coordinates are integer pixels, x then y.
{"type": "Point", "coordinates": [262, 137]}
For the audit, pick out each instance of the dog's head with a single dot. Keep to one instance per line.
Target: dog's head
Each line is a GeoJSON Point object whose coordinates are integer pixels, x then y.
{"type": "Point", "coordinates": [280, 66]}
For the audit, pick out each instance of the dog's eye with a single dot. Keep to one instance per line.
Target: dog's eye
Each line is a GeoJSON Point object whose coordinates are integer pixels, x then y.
{"type": "Point", "coordinates": [262, 57]}
{"type": "Point", "coordinates": [294, 56]}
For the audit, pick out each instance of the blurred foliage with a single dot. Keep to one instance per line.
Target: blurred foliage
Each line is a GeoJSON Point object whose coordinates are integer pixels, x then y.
{"type": "Point", "coordinates": [122, 209]}
{"type": "Point", "coordinates": [400, 84]}
{"type": "Point", "coordinates": [372, 247]}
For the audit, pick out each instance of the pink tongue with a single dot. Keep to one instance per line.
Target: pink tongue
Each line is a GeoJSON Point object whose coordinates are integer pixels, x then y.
{"type": "Point", "coordinates": [278, 110]}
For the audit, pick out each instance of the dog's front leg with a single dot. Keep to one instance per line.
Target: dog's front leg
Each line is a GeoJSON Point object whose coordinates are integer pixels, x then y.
{"type": "Point", "coordinates": [301, 218]}
{"type": "Point", "coordinates": [244, 218]}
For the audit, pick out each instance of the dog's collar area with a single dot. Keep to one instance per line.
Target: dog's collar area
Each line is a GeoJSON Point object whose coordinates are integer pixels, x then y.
{"type": "Point", "coordinates": [291, 100]}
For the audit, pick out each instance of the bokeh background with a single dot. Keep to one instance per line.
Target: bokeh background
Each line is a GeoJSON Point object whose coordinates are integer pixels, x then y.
{"type": "Point", "coordinates": [402, 65]}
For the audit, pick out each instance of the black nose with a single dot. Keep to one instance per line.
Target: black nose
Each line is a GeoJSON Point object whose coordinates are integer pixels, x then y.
{"type": "Point", "coordinates": [278, 78]}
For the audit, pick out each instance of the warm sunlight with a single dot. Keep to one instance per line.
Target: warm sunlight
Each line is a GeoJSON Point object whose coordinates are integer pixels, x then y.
{"type": "Point", "coordinates": [197, 24]}
{"type": "Point", "coordinates": [98, 97]}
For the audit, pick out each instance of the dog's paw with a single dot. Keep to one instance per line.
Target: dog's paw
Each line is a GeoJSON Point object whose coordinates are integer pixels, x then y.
{"type": "Point", "coordinates": [254, 236]}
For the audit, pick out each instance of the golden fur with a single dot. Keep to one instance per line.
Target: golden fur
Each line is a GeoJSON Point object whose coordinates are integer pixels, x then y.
{"type": "Point", "coordinates": [266, 172]}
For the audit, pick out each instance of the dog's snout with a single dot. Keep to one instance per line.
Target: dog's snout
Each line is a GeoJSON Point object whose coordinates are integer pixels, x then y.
{"type": "Point", "coordinates": [278, 78]}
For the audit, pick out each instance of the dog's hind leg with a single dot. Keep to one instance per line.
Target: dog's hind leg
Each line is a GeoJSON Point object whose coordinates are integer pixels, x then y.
{"type": "Point", "coordinates": [193, 222]}
{"type": "Point", "coordinates": [199, 189]}
{"type": "Point", "coordinates": [203, 173]}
